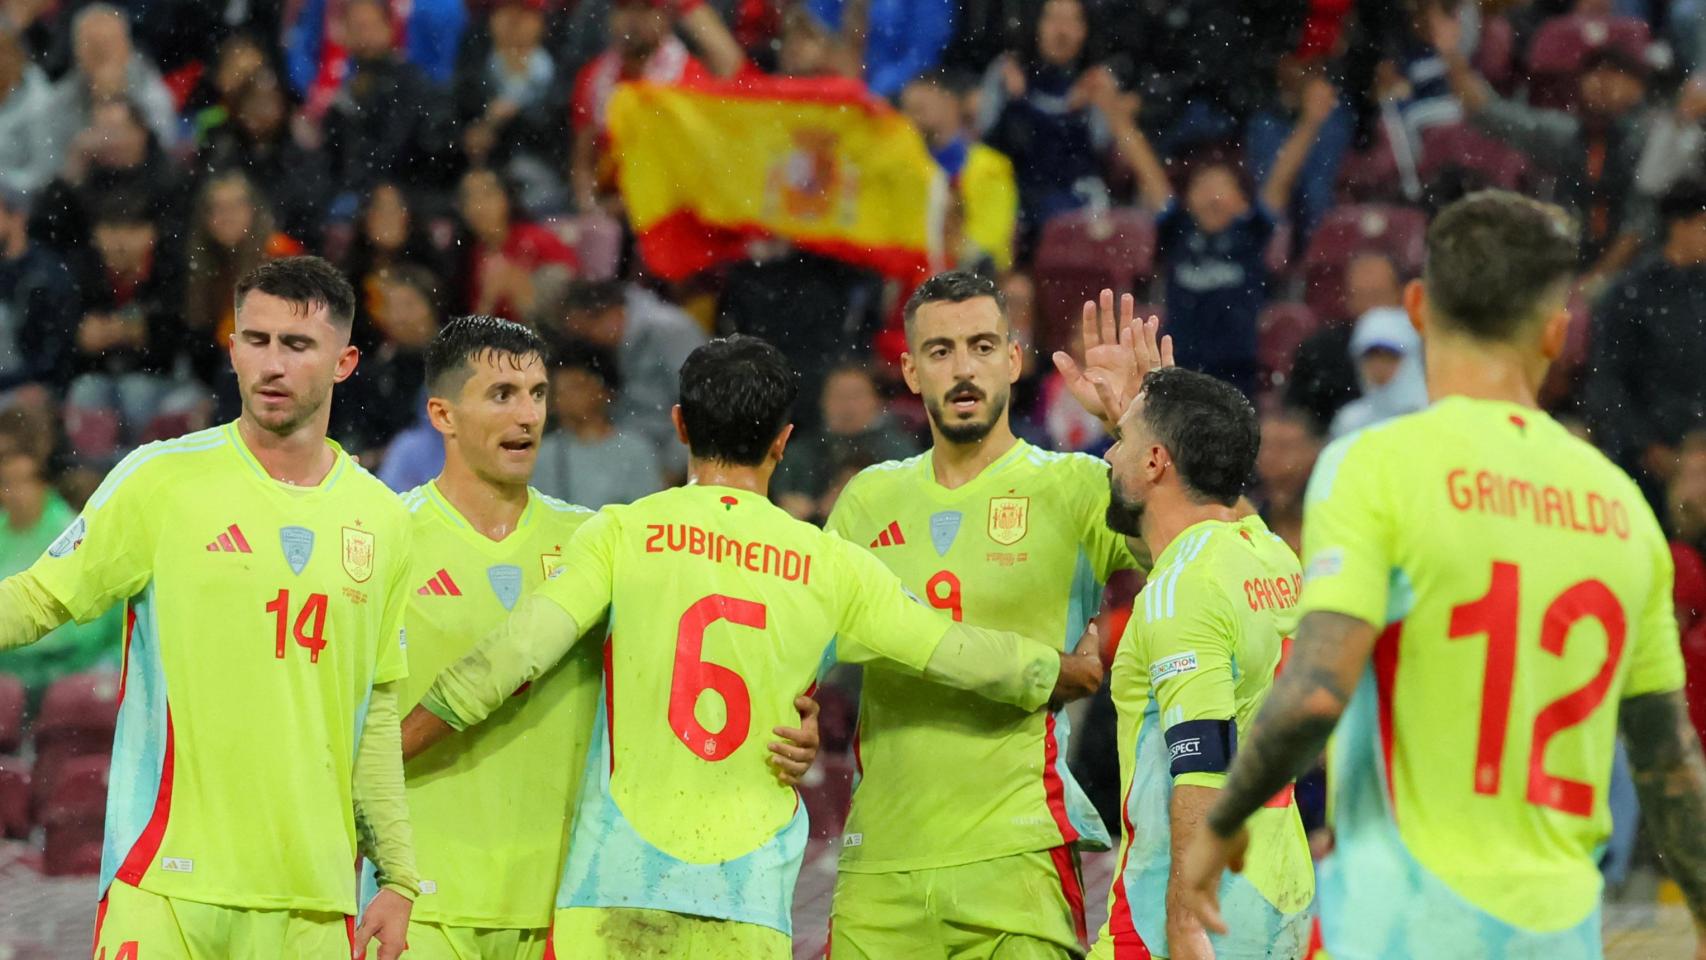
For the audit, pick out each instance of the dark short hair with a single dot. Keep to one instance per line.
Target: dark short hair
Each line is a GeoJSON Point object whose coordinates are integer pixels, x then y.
{"type": "Point", "coordinates": [1683, 201]}
{"type": "Point", "coordinates": [421, 280]}
{"type": "Point", "coordinates": [122, 207]}
{"type": "Point", "coordinates": [1610, 56]}
{"type": "Point", "coordinates": [736, 395]}
{"type": "Point", "coordinates": [451, 354]}
{"type": "Point", "coordinates": [1494, 257]}
{"type": "Point", "coordinates": [954, 286]}
{"type": "Point", "coordinates": [308, 281]}
{"type": "Point", "coordinates": [1208, 426]}
{"type": "Point", "coordinates": [594, 359]}
{"type": "Point", "coordinates": [592, 296]}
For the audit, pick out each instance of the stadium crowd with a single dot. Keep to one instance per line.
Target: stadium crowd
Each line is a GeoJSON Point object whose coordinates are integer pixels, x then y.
{"type": "Point", "coordinates": [1258, 172]}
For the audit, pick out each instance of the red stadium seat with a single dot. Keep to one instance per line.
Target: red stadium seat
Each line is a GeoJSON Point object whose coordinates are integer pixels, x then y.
{"type": "Point", "coordinates": [1494, 163]}
{"type": "Point", "coordinates": [1562, 45]}
{"type": "Point", "coordinates": [1280, 329]}
{"type": "Point", "coordinates": [1347, 231]}
{"type": "Point", "coordinates": [77, 718]}
{"type": "Point", "coordinates": [11, 713]}
{"type": "Point", "coordinates": [1370, 176]}
{"type": "Point", "coordinates": [14, 798]}
{"type": "Point", "coordinates": [93, 431]}
{"type": "Point", "coordinates": [827, 792]}
{"type": "Point", "coordinates": [1495, 56]}
{"type": "Point", "coordinates": [73, 816]}
{"type": "Point", "coordinates": [1081, 253]}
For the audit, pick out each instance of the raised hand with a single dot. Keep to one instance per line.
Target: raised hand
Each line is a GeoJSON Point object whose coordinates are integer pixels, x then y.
{"type": "Point", "coordinates": [1118, 354]}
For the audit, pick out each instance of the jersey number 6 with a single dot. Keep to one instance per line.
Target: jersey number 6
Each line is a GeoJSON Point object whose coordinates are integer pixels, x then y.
{"type": "Point", "coordinates": [693, 675]}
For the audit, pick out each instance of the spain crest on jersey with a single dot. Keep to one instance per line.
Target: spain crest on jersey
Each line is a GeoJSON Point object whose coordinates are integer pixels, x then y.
{"type": "Point", "coordinates": [551, 564]}
{"type": "Point", "coordinates": [358, 554]}
{"type": "Point", "coordinates": [1007, 518]}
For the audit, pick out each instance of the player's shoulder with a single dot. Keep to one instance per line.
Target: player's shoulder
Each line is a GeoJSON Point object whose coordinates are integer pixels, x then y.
{"type": "Point", "coordinates": [162, 460]}
{"type": "Point", "coordinates": [880, 478]}
{"type": "Point", "coordinates": [556, 506]}
{"type": "Point", "coordinates": [1189, 570]}
{"type": "Point", "coordinates": [1067, 465]}
{"type": "Point", "coordinates": [374, 492]}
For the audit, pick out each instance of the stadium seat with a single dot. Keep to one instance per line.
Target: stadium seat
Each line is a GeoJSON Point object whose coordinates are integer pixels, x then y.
{"type": "Point", "coordinates": [73, 815]}
{"type": "Point", "coordinates": [93, 431]}
{"type": "Point", "coordinates": [827, 792]}
{"type": "Point", "coordinates": [1490, 161]}
{"type": "Point", "coordinates": [1495, 55]}
{"type": "Point", "coordinates": [1347, 231]}
{"type": "Point", "coordinates": [14, 798]}
{"type": "Point", "coordinates": [11, 713]}
{"type": "Point", "coordinates": [1563, 44]}
{"type": "Point", "coordinates": [1280, 329]}
{"type": "Point", "coordinates": [77, 718]}
{"type": "Point", "coordinates": [1080, 253]}
{"type": "Point", "coordinates": [1370, 176]}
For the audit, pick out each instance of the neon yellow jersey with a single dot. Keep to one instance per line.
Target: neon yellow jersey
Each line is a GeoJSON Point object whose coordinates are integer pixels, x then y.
{"type": "Point", "coordinates": [1198, 658]}
{"type": "Point", "coordinates": [721, 609]}
{"type": "Point", "coordinates": [948, 777]}
{"type": "Point", "coordinates": [490, 808]}
{"type": "Point", "coordinates": [1523, 588]}
{"type": "Point", "coordinates": [261, 615]}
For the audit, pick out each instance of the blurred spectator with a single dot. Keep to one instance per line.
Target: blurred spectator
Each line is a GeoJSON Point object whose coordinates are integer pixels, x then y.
{"type": "Point", "coordinates": [641, 46]}
{"type": "Point", "coordinates": [898, 39]}
{"type": "Point", "coordinates": [424, 33]}
{"type": "Point", "coordinates": [1265, 136]}
{"type": "Point", "coordinates": [108, 68]}
{"type": "Point", "coordinates": [240, 59]}
{"type": "Point", "coordinates": [856, 429]}
{"type": "Point", "coordinates": [27, 157]}
{"type": "Point", "coordinates": [386, 392]}
{"type": "Point", "coordinates": [1644, 390]}
{"type": "Point", "coordinates": [231, 233]}
{"type": "Point", "coordinates": [1593, 152]}
{"type": "Point", "coordinates": [256, 139]}
{"type": "Point", "coordinates": [1035, 107]}
{"type": "Point", "coordinates": [1676, 146]}
{"type": "Point", "coordinates": [1213, 246]}
{"type": "Point", "coordinates": [38, 305]}
{"type": "Point", "coordinates": [1323, 375]}
{"type": "Point", "coordinates": [506, 108]}
{"type": "Point", "coordinates": [1388, 355]}
{"type": "Point", "coordinates": [507, 254]}
{"type": "Point", "coordinates": [115, 153]}
{"type": "Point", "coordinates": [651, 339]}
{"type": "Point", "coordinates": [587, 459]}
{"type": "Point", "coordinates": [385, 119]}
{"type": "Point", "coordinates": [1291, 440]}
{"type": "Point", "coordinates": [133, 350]}
{"type": "Point", "coordinates": [981, 176]}
{"type": "Point", "coordinates": [1686, 499]}
{"type": "Point", "coordinates": [388, 232]}
{"type": "Point", "coordinates": [32, 515]}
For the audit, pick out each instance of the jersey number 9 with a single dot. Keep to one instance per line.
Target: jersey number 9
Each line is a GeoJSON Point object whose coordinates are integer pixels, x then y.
{"type": "Point", "coordinates": [693, 675]}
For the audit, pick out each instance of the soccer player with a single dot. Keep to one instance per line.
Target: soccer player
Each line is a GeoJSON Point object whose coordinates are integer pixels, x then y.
{"type": "Point", "coordinates": [257, 730]}
{"type": "Point", "coordinates": [721, 609]}
{"type": "Point", "coordinates": [1486, 599]}
{"type": "Point", "coordinates": [965, 820]}
{"type": "Point", "coordinates": [1198, 657]}
{"type": "Point", "coordinates": [490, 811]}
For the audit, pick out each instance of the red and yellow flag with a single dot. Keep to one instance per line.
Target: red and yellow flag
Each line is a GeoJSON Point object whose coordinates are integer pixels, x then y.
{"type": "Point", "coordinates": [704, 169]}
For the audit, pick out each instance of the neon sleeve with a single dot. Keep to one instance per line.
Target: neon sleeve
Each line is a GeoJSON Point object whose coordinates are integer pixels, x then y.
{"type": "Point", "coordinates": [381, 811]}
{"type": "Point", "coordinates": [1001, 666]}
{"type": "Point", "coordinates": [28, 611]}
{"type": "Point", "coordinates": [529, 641]}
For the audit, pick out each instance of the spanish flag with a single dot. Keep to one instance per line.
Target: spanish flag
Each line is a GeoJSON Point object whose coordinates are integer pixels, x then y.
{"type": "Point", "coordinates": [708, 167]}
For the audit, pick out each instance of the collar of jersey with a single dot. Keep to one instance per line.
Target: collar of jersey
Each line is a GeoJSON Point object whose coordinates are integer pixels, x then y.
{"type": "Point", "coordinates": [1188, 544]}
{"type": "Point", "coordinates": [448, 512]}
{"type": "Point", "coordinates": [340, 462]}
{"type": "Point", "coordinates": [927, 465]}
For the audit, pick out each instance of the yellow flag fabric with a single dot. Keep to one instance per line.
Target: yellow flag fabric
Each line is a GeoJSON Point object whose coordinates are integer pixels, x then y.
{"type": "Point", "coordinates": [706, 168]}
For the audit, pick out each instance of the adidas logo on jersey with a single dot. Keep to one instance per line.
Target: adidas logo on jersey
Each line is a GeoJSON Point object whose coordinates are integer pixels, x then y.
{"type": "Point", "coordinates": [231, 541]}
{"type": "Point", "coordinates": [441, 586]}
{"type": "Point", "coordinates": [891, 537]}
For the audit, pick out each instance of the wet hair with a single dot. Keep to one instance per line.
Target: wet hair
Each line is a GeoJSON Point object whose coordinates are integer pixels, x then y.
{"type": "Point", "coordinates": [736, 396]}
{"type": "Point", "coordinates": [1208, 426]}
{"type": "Point", "coordinates": [954, 286]}
{"type": "Point", "coordinates": [308, 281]}
{"type": "Point", "coordinates": [1494, 258]}
{"type": "Point", "coordinates": [458, 344]}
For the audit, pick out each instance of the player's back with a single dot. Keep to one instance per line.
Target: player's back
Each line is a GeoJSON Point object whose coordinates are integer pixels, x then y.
{"type": "Point", "coordinates": [1523, 588]}
{"type": "Point", "coordinates": [721, 610]}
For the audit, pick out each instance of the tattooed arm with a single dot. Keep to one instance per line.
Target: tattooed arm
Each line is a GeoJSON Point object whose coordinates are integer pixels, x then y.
{"type": "Point", "coordinates": [1327, 660]}
{"type": "Point", "coordinates": [1670, 776]}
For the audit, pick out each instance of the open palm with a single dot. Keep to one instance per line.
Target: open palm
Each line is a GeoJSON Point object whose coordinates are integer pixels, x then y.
{"type": "Point", "coordinates": [1118, 354]}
